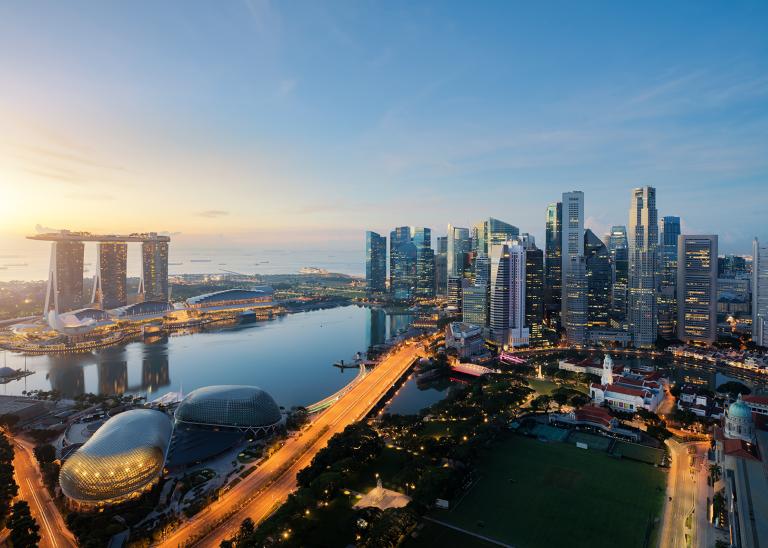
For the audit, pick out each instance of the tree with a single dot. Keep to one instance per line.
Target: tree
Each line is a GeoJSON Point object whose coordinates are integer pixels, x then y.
{"type": "Point", "coordinates": [560, 398]}
{"type": "Point", "coordinates": [541, 403]}
{"type": "Point", "coordinates": [9, 420]}
{"type": "Point", "coordinates": [25, 532]}
{"type": "Point", "coordinates": [734, 388]}
{"type": "Point", "coordinates": [45, 453]}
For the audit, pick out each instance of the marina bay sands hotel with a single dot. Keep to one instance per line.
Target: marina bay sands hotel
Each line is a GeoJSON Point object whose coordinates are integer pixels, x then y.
{"type": "Point", "coordinates": [65, 273]}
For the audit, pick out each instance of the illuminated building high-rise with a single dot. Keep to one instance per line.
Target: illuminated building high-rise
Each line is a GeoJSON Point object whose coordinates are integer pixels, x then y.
{"type": "Point", "coordinates": [507, 307]}
{"type": "Point", "coordinates": [457, 253]}
{"type": "Point", "coordinates": [65, 277]}
{"type": "Point", "coordinates": [576, 301]}
{"type": "Point", "coordinates": [476, 295]}
{"type": "Point", "coordinates": [441, 266]}
{"type": "Point", "coordinates": [667, 299]}
{"type": "Point", "coordinates": [553, 265]}
{"type": "Point", "coordinates": [759, 293]}
{"type": "Point", "coordinates": [534, 294]}
{"type": "Point", "coordinates": [599, 281]}
{"type": "Point", "coordinates": [375, 263]}
{"type": "Point", "coordinates": [109, 284]}
{"type": "Point", "coordinates": [697, 288]}
{"type": "Point", "coordinates": [153, 285]}
{"type": "Point", "coordinates": [618, 248]}
{"type": "Point", "coordinates": [572, 238]}
{"type": "Point", "coordinates": [492, 232]}
{"type": "Point", "coordinates": [643, 239]}
{"type": "Point", "coordinates": [402, 264]}
{"type": "Point", "coordinates": [425, 262]}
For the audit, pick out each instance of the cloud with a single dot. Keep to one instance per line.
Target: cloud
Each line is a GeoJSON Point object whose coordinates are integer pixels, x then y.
{"type": "Point", "coordinates": [40, 229]}
{"type": "Point", "coordinates": [212, 213]}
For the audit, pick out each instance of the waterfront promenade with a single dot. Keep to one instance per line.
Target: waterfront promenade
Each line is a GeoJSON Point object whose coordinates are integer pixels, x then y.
{"type": "Point", "coordinates": [260, 493]}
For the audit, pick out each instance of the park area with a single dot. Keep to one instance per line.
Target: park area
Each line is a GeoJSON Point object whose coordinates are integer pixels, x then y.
{"type": "Point", "coordinates": [532, 493]}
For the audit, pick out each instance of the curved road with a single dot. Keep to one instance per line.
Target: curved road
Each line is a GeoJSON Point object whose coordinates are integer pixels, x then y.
{"type": "Point", "coordinates": [53, 530]}
{"type": "Point", "coordinates": [261, 492]}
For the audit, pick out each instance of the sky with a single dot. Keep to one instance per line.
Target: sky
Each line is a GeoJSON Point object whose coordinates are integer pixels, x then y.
{"type": "Point", "coordinates": [302, 124]}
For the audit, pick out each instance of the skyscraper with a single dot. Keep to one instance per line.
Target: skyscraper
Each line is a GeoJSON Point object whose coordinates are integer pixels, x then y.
{"type": "Point", "coordinates": [492, 232]}
{"type": "Point", "coordinates": [507, 307]}
{"type": "Point", "coordinates": [425, 262]}
{"type": "Point", "coordinates": [759, 293]}
{"type": "Point", "coordinates": [154, 270]}
{"type": "Point", "coordinates": [455, 292]}
{"type": "Point", "coordinates": [458, 248]}
{"type": "Point", "coordinates": [375, 263]}
{"type": "Point", "coordinates": [402, 264]}
{"type": "Point", "coordinates": [475, 296]}
{"type": "Point", "coordinates": [441, 266]}
{"type": "Point", "coordinates": [643, 265]}
{"type": "Point", "coordinates": [575, 301]}
{"type": "Point", "coordinates": [617, 247]}
{"type": "Point", "coordinates": [572, 241]}
{"type": "Point", "coordinates": [599, 281]}
{"type": "Point", "coordinates": [697, 288]}
{"type": "Point", "coordinates": [553, 265]}
{"type": "Point", "coordinates": [65, 277]}
{"type": "Point", "coordinates": [667, 300]}
{"type": "Point", "coordinates": [110, 280]}
{"type": "Point", "coordinates": [534, 294]}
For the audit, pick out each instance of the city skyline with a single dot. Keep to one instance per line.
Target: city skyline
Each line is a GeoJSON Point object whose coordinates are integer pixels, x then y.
{"type": "Point", "coordinates": [143, 115]}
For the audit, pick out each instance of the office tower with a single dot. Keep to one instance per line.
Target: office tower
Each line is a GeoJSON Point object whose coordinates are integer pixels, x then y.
{"type": "Point", "coordinates": [599, 280]}
{"type": "Point", "coordinates": [441, 266]}
{"type": "Point", "coordinates": [575, 301]}
{"type": "Point", "coordinates": [110, 279]}
{"type": "Point", "coordinates": [65, 277]}
{"type": "Point", "coordinates": [474, 304]}
{"type": "Point", "coordinates": [492, 232]}
{"type": "Point", "coordinates": [759, 293]}
{"type": "Point", "coordinates": [667, 298]}
{"type": "Point", "coordinates": [425, 262]}
{"type": "Point", "coordinates": [507, 307]}
{"type": "Point", "coordinates": [402, 264]}
{"type": "Point", "coordinates": [643, 239]}
{"type": "Point", "coordinates": [375, 263]}
{"type": "Point", "coordinates": [154, 270]}
{"type": "Point", "coordinates": [458, 248]}
{"type": "Point", "coordinates": [572, 240]}
{"type": "Point", "coordinates": [731, 266]}
{"type": "Point", "coordinates": [617, 247]}
{"type": "Point", "coordinates": [553, 266]}
{"type": "Point", "coordinates": [697, 288]}
{"type": "Point", "coordinates": [534, 294]}
{"type": "Point", "coordinates": [455, 292]}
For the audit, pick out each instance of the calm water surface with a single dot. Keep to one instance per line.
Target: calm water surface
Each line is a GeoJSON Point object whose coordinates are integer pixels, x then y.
{"type": "Point", "coordinates": [290, 357]}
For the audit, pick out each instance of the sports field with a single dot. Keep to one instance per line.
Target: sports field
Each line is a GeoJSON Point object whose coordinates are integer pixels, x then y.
{"type": "Point", "coordinates": [535, 494]}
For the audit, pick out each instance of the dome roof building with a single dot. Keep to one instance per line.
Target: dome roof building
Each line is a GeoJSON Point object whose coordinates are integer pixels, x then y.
{"type": "Point", "coordinates": [120, 461]}
{"type": "Point", "coordinates": [738, 421]}
{"type": "Point", "coordinates": [244, 408]}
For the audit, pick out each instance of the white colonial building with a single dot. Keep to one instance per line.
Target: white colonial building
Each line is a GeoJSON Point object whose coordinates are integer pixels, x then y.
{"type": "Point", "coordinates": [626, 391]}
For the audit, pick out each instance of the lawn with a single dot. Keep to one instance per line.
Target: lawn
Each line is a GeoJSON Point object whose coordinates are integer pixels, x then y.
{"type": "Point", "coordinates": [534, 494]}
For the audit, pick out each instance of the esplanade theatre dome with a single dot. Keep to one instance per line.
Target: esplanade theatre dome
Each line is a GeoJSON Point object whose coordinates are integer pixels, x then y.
{"type": "Point", "coordinates": [124, 457]}
{"type": "Point", "coordinates": [230, 406]}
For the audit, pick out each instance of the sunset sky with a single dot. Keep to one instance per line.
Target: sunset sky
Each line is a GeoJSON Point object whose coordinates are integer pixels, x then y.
{"type": "Point", "coordinates": [304, 123]}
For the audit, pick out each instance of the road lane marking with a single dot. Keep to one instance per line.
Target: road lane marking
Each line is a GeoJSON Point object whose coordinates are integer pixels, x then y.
{"type": "Point", "coordinates": [42, 513]}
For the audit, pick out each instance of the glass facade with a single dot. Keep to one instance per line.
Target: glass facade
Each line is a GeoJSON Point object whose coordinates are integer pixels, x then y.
{"type": "Point", "coordinates": [123, 457]}
{"type": "Point", "coordinates": [697, 289]}
{"type": "Point", "coordinates": [553, 268]}
{"type": "Point", "coordinates": [109, 289]}
{"type": "Point", "coordinates": [402, 264]}
{"type": "Point", "coordinates": [229, 406]}
{"type": "Point", "coordinates": [643, 241]}
{"type": "Point", "coordinates": [65, 281]}
{"type": "Point", "coordinates": [599, 281]}
{"type": "Point", "coordinates": [667, 299]}
{"type": "Point", "coordinates": [375, 263]}
{"type": "Point", "coordinates": [154, 271]}
{"type": "Point", "coordinates": [534, 294]}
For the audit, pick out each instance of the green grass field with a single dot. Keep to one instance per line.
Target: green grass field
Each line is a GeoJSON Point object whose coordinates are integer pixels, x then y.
{"type": "Point", "coordinates": [534, 494]}
{"type": "Point", "coordinates": [638, 452]}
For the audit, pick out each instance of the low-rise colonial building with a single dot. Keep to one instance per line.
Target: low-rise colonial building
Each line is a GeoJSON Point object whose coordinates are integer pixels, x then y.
{"type": "Point", "coordinates": [627, 391]}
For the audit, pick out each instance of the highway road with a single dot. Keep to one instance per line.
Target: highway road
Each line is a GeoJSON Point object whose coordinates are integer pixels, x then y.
{"type": "Point", "coordinates": [53, 530]}
{"type": "Point", "coordinates": [684, 489]}
{"type": "Point", "coordinates": [269, 485]}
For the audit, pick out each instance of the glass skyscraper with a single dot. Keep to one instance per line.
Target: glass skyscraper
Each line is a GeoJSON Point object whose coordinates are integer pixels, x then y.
{"type": "Point", "coordinates": [507, 307]}
{"type": "Point", "coordinates": [375, 263]}
{"type": "Point", "coordinates": [402, 264]}
{"type": "Point", "coordinates": [553, 267]}
{"type": "Point", "coordinates": [759, 293]}
{"type": "Point", "coordinates": [697, 289]}
{"type": "Point", "coordinates": [617, 247]}
{"type": "Point", "coordinates": [599, 281]}
{"type": "Point", "coordinates": [534, 294]}
{"type": "Point", "coordinates": [643, 239]}
{"type": "Point", "coordinates": [667, 299]}
{"type": "Point", "coordinates": [425, 262]}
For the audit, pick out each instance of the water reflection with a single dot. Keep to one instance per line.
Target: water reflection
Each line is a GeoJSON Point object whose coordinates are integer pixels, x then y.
{"type": "Point", "coordinates": [112, 370]}
{"type": "Point", "coordinates": [66, 374]}
{"type": "Point", "coordinates": [155, 372]}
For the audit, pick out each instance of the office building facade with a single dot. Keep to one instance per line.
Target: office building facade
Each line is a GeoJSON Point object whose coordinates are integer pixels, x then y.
{"type": "Point", "coordinates": [759, 293]}
{"type": "Point", "coordinates": [458, 248]}
{"type": "Point", "coordinates": [553, 267]}
{"type": "Point", "coordinates": [65, 277]}
{"type": "Point", "coordinates": [575, 301]}
{"type": "Point", "coordinates": [697, 288]}
{"type": "Point", "coordinates": [667, 298]}
{"type": "Point", "coordinates": [572, 241]}
{"type": "Point", "coordinates": [643, 239]}
{"type": "Point", "coordinates": [507, 290]}
{"type": "Point", "coordinates": [425, 263]}
{"type": "Point", "coordinates": [402, 264]}
{"type": "Point", "coordinates": [375, 263]}
{"type": "Point", "coordinates": [617, 247]}
{"type": "Point", "coordinates": [109, 284]}
{"type": "Point", "coordinates": [153, 285]}
{"type": "Point", "coordinates": [599, 281]}
{"type": "Point", "coordinates": [534, 294]}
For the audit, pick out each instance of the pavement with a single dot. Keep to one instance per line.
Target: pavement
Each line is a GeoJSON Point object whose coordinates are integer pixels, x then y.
{"type": "Point", "coordinates": [260, 493]}
{"type": "Point", "coordinates": [686, 497]}
{"type": "Point", "coordinates": [53, 530]}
